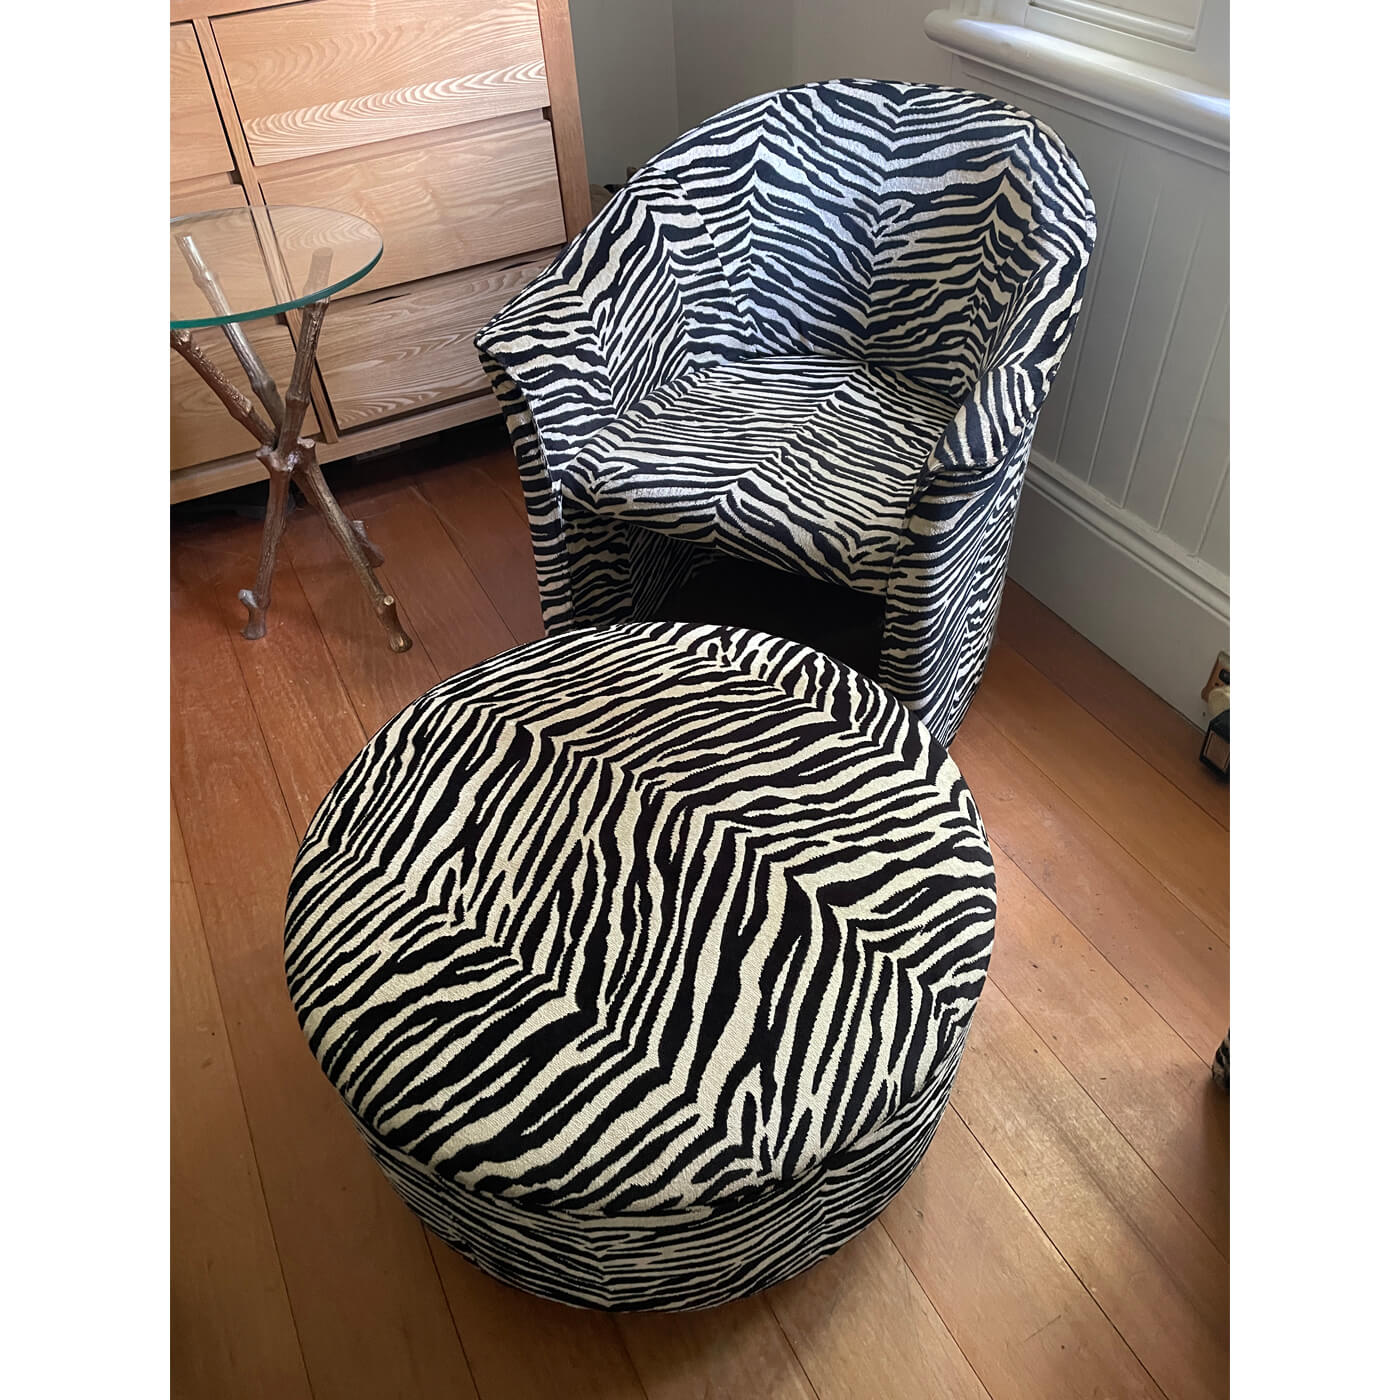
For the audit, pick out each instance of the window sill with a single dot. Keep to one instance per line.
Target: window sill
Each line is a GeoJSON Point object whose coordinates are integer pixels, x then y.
{"type": "Point", "coordinates": [1164, 99]}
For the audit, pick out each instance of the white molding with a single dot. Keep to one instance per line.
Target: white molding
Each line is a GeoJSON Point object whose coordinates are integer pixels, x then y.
{"type": "Point", "coordinates": [1120, 588]}
{"type": "Point", "coordinates": [1200, 581]}
{"type": "Point", "coordinates": [1157, 96]}
{"type": "Point", "coordinates": [1108, 15]}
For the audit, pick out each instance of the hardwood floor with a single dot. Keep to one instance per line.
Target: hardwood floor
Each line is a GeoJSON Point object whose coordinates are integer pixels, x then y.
{"type": "Point", "coordinates": [1065, 1237]}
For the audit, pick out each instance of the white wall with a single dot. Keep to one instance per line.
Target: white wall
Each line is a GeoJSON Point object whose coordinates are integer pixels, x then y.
{"type": "Point", "coordinates": [875, 39]}
{"type": "Point", "coordinates": [650, 69]}
{"type": "Point", "coordinates": [727, 50]}
{"type": "Point", "coordinates": [625, 56]}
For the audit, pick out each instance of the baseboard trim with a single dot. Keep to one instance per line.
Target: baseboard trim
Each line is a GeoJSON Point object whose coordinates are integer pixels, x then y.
{"type": "Point", "coordinates": [1154, 550]}
{"type": "Point", "coordinates": [1136, 595]}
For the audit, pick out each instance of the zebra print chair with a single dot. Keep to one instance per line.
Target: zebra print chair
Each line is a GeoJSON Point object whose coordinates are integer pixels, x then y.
{"type": "Point", "coordinates": [815, 332]}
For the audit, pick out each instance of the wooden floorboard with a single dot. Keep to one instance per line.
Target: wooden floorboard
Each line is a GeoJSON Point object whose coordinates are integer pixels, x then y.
{"type": "Point", "coordinates": [1146, 1263]}
{"type": "Point", "coordinates": [861, 1327]}
{"type": "Point", "coordinates": [723, 1353]}
{"type": "Point", "coordinates": [379, 682]}
{"type": "Point", "coordinates": [306, 717]}
{"type": "Point", "coordinates": [1067, 1233]}
{"type": "Point", "coordinates": [1178, 964]}
{"type": "Point", "coordinates": [1129, 1061]}
{"type": "Point", "coordinates": [489, 531]}
{"type": "Point", "coordinates": [523, 1347]}
{"type": "Point", "coordinates": [231, 1328]}
{"type": "Point", "coordinates": [454, 619]}
{"type": "Point", "coordinates": [1119, 701]}
{"type": "Point", "coordinates": [369, 1309]}
{"type": "Point", "coordinates": [1149, 816]}
{"type": "Point", "coordinates": [1024, 1321]}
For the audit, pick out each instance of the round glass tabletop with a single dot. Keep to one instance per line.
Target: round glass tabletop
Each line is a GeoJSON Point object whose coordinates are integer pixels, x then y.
{"type": "Point", "coordinates": [239, 264]}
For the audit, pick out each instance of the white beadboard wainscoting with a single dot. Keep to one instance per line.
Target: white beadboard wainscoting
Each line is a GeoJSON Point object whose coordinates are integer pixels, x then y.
{"type": "Point", "coordinates": [1124, 525]}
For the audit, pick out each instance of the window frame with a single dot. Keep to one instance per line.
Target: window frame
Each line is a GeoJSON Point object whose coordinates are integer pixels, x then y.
{"type": "Point", "coordinates": [1104, 13]}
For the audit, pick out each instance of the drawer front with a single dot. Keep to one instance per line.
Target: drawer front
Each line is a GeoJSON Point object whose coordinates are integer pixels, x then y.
{"type": "Point", "coordinates": [324, 75]}
{"type": "Point", "coordinates": [197, 143]}
{"type": "Point", "coordinates": [441, 203]}
{"type": "Point", "coordinates": [406, 348]}
{"type": "Point", "coordinates": [200, 428]}
{"type": "Point", "coordinates": [214, 192]}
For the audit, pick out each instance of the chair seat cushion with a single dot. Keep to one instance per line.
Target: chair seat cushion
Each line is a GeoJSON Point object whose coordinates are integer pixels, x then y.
{"type": "Point", "coordinates": [805, 462]}
{"type": "Point", "coordinates": [643, 957]}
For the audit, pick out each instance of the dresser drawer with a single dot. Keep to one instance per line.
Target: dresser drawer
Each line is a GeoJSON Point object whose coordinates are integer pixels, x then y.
{"type": "Point", "coordinates": [200, 428]}
{"type": "Point", "coordinates": [197, 143]}
{"type": "Point", "coordinates": [442, 202]}
{"type": "Point", "coordinates": [327, 74]}
{"type": "Point", "coordinates": [212, 192]}
{"type": "Point", "coordinates": [395, 351]}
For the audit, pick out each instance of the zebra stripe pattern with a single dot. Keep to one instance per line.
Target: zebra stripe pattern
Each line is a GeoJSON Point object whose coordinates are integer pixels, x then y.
{"type": "Point", "coordinates": [644, 956]}
{"type": "Point", "coordinates": [816, 332]}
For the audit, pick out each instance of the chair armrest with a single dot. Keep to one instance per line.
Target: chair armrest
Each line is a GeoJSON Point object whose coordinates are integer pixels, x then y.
{"type": "Point", "coordinates": [950, 565]}
{"type": "Point", "coordinates": [544, 359]}
{"type": "Point", "coordinates": [636, 300]}
{"type": "Point", "coordinates": [1024, 353]}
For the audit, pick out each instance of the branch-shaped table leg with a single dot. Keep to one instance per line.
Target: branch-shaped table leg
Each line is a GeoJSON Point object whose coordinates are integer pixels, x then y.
{"type": "Point", "coordinates": [258, 377]}
{"type": "Point", "coordinates": [290, 457]}
{"type": "Point", "coordinates": [275, 519]}
{"type": "Point", "coordinates": [313, 484]}
{"type": "Point", "coordinates": [239, 406]}
{"type": "Point", "coordinates": [376, 559]}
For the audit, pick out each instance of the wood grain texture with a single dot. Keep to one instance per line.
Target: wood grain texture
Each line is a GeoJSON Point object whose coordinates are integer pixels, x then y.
{"type": "Point", "coordinates": [442, 202]}
{"type": "Point", "coordinates": [447, 196]}
{"type": "Point", "coordinates": [197, 143]}
{"type": "Point", "coordinates": [1178, 965]}
{"type": "Point", "coordinates": [861, 1326]}
{"type": "Point", "coordinates": [565, 116]}
{"type": "Point", "coordinates": [321, 77]}
{"type": "Point", "coordinates": [294, 677]}
{"type": "Point", "coordinates": [1146, 1263]}
{"type": "Point", "coordinates": [248, 178]}
{"type": "Point", "coordinates": [487, 530]}
{"type": "Point", "coordinates": [200, 427]}
{"type": "Point", "coordinates": [407, 348]}
{"type": "Point", "coordinates": [1131, 1063]}
{"type": "Point", "coordinates": [454, 619]}
{"type": "Point", "coordinates": [1024, 1321]}
{"type": "Point", "coordinates": [199, 9]}
{"type": "Point", "coordinates": [190, 483]}
{"type": "Point", "coordinates": [231, 1329]}
{"type": "Point", "coordinates": [208, 192]}
{"type": "Point", "coordinates": [1148, 816]}
{"type": "Point", "coordinates": [732, 1352]}
{"type": "Point", "coordinates": [501, 467]}
{"type": "Point", "coordinates": [383, 1328]}
{"type": "Point", "coordinates": [343, 73]}
{"type": "Point", "coordinates": [1120, 702]}
{"type": "Point", "coordinates": [379, 682]}
{"type": "Point", "coordinates": [228, 108]}
{"type": "Point", "coordinates": [522, 1347]}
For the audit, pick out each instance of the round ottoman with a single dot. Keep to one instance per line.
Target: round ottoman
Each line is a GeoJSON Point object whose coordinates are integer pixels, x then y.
{"type": "Point", "coordinates": [644, 957]}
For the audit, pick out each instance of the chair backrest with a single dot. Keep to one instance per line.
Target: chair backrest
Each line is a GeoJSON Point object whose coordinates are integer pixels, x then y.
{"type": "Point", "coordinates": [898, 223]}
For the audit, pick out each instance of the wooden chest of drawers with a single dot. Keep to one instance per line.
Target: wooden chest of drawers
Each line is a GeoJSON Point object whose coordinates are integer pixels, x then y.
{"type": "Point", "coordinates": [452, 125]}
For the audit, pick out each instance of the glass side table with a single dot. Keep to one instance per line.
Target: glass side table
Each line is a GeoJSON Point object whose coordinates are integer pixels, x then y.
{"type": "Point", "coordinates": [234, 265]}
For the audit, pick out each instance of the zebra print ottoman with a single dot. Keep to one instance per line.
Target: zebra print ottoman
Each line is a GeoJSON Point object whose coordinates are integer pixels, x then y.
{"type": "Point", "coordinates": [643, 958]}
